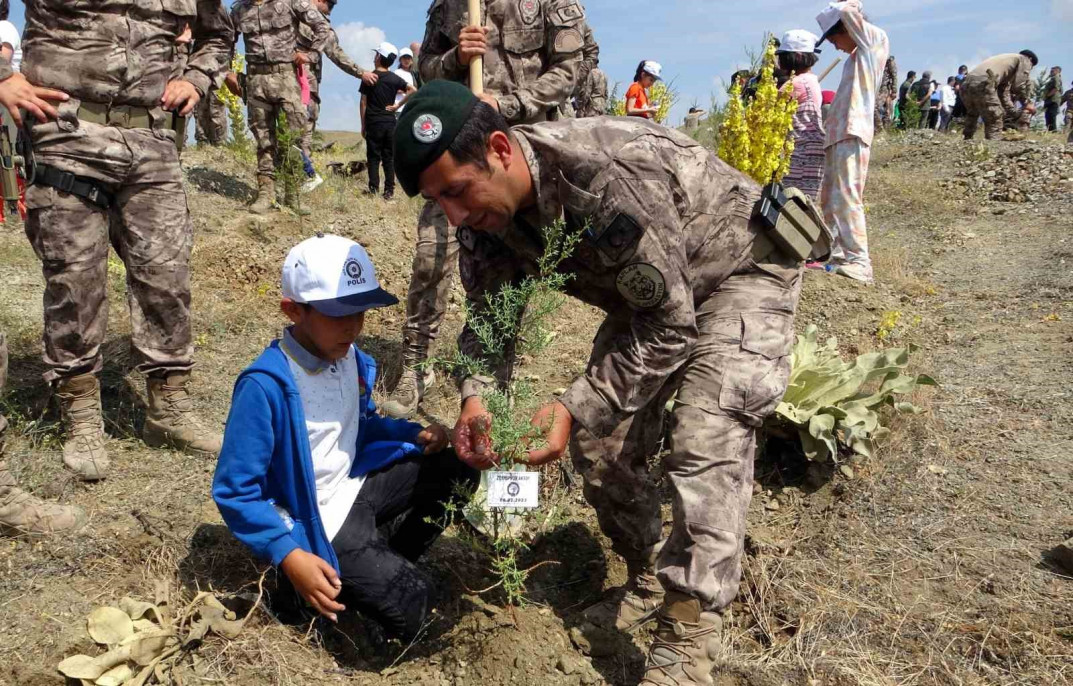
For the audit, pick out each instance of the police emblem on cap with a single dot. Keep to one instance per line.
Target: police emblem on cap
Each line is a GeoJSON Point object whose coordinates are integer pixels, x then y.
{"type": "Point", "coordinates": [641, 284]}
{"type": "Point", "coordinates": [352, 269]}
{"type": "Point", "coordinates": [428, 128]}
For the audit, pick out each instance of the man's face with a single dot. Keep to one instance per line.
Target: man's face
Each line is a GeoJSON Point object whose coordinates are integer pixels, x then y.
{"type": "Point", "coordinates": [469, 195]}
{"type": "Point", "coordinates": [323, 6]}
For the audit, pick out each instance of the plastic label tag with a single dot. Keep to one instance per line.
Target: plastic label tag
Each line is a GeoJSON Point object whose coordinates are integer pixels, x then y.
{"type": "Point", "coordinates": [514, 489]}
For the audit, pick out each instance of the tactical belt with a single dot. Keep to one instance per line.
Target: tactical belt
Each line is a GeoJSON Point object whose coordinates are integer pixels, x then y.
{"type": "Point", "coordinates": [119, 116]}
{"type": "Point", "coordinates": [82, 186]}
{"type": "Point", "coordinates": [281, 68]}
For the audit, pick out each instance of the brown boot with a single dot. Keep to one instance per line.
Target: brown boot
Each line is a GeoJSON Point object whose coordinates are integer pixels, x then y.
{"type": "Point", "coordinates": [683, 652]}
{"type": "Point", "coordinates": [631, 606]}
{"type": "Point", "coordinates": [23, 515]}
{"type": "Point", "coordinates": [80, 405]}
{"type": "Point", "coordinates": [266, 195]}
{"type": "Point", "coordinates": [408, 393]}
{"type": "Point", "coordinates": [170, 420]}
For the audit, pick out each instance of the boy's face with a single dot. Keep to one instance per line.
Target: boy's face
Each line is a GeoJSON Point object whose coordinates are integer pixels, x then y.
{"type": "Point", "coordinates": [329, 338]}
{"type": "Point", "coordinates": [843, 42]}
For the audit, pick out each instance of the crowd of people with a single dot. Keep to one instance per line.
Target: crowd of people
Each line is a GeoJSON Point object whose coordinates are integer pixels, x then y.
{"type": "Point", "coordinates": [677, 243]}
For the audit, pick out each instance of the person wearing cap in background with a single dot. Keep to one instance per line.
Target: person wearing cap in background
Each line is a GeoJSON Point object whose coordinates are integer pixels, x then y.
{"type": "Point", "coordinates": [989, 91]}
{"type": "Point", "coordinates": [378, 105]}
{"type": "Point", "coordinates": [797, 54]}
{"type": "Point", "coordinates": [405, 71]}
{"type": "Point", "coordinates": [531, 52]}
{"type": "Point", "coordinates": [270, 30]}
{"type": "Point", "coordinates": [700, 306]}
{"type": "Point", "coordinates": [850, 127]}
{"type": "Point", "coordinates": [309, 469]}
{"type": "Point", "coordinates": [312, 61]}
{"type": "Point", "coordinates": [637, 105]}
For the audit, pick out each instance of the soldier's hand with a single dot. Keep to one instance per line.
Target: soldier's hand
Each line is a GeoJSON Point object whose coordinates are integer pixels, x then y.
{"type": "Point", "coordinates": [369, 78]}
{"type": "Point", "coordinates": [180, 96]}
{"type": "Point", "coordinates": [301, 58]}
{"type": "Point", "coordinates": [555, 422]}
{"type": "Point", "coordinates": [472, 42]}
{"type": "Point", "coordinates": [231, 81]}
{"type": "Point", "coordinates": [471, 441]}
{"type": "Point", "coordinates": [16, 92]}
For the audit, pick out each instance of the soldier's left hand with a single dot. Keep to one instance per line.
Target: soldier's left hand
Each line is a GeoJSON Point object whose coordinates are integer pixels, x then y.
{"type": "Point", "coordinates": [555, 421]}
{"type": "Point", "coordinates": [16, 92]}
{"type": "Point", "coordinates": [180, 96]}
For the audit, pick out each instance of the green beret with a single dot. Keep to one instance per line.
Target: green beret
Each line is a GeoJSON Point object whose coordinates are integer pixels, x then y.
{"type": "Point", "coordinates": [427, 127]}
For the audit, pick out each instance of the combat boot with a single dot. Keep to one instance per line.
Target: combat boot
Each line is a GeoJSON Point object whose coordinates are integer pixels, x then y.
{"type": "Point", "coordinates": [683, 652]}
{"type": "Point", "coordinates": [170, 420]}
{"type": "Point", "coordinates": [408, 394]}
{"type": "Point", "coordinates": [80, 404]}
{"type": "Point", "coordinates": [266, 195]}
{"type": "Point", "coordinates": [24, 515]}
{"type": "Point", "coordinates": [634, 604]}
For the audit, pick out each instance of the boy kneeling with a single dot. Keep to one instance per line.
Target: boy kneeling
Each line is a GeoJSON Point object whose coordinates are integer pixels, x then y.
{"type": "Point", "coordinates": [309, 470]}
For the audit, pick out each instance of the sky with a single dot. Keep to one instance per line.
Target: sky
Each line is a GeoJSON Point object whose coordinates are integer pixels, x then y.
{"type": "Point", "coordinates": [700, 43]}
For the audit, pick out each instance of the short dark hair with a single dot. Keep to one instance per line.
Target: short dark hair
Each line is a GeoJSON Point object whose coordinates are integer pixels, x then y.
{"type": "Point", "coordinates": [1032, 56]}
{"type": "Point", "coordinates": [838, 28]}
{"type": "Point", "coordinates": [910, 75]}
{"type": "Point", "coordinates": [385, 62]}
{"type": "Point", "coordinates": [963, 67]}
{"type": "Point", "coordinates": [5, 9]}
{"type": "Point", "coordinates": [470, 145]}
{"type": "Point", "coordinates": [951, 79]}
{"type": "Point", "coordinates": [797, 62]}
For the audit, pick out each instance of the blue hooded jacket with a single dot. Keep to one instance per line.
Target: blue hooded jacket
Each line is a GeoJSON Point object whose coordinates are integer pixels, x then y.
{"type": "Point", "coordinates": [266, 460]}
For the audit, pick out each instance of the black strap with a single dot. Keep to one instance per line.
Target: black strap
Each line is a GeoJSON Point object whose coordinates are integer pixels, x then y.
{"type": "Point", "coordinates": [84, 187]}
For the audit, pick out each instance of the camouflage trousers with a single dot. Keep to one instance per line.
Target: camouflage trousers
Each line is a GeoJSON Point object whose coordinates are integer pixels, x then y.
{"type": "Point", "coordinates": [3, 383]}
{"type": "Point", "coordinates": [267, 96]}
{"type": "Point", "coordinates": [981, 99]}
{"type": "Point", "coordinates": [148, 225]}
{"type": "Point", "coordinates": [434, 266]}
{"type": "Point", "coordinates": [210, 120]}
{"type": "Point", "coordinates": [312, 115]}
{"type": "Point", "coordinates": [733, 379]}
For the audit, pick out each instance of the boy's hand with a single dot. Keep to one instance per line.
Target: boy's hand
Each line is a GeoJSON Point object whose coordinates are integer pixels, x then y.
{"type": "Point", "coordinates": [315, 580]}
{"type": "Point", "coordinates": [434, 437]}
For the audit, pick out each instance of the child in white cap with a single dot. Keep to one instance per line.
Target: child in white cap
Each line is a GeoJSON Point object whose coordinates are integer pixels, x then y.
{"type": "Point", "coordinates": [797, 54]}
{"type": "Point", "coordinates": [850, 127]}
{"type": "Point", "coordinates": [309, 470]}
{"type": "Point", "coordinates": [637, 105]}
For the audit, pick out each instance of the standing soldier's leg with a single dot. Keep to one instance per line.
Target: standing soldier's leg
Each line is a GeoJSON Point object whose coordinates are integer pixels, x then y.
{"type": "Point", "coordinates": [262, 120]}
{"type": "Point", "coordinates": [734, 379]}
{"type": "Point", "coordinates": [435, 262]}
{"type": "Point", "coordinates": [290, 103]}
{"type": "Point", "coordinates": [312, 114]}
{"type": "Point", "coordinates": [201, 121]}
{"type": "Point", "coordinates": [22, 514]}
{"type": "Point", "coordinates": [217, 120]}
{"type": "Point", "coordinates": [154, 236]}
{"type": "Point", "coordinates": [993, 112]}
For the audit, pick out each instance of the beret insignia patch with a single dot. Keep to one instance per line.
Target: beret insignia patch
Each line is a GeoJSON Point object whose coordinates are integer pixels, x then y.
{"type": "Point", "coordinates": [428, 128]}
{"type": "Point", "coordinates": [641, 284]}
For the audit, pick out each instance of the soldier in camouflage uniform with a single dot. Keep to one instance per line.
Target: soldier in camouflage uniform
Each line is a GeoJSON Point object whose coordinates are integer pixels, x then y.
{"type": "Point", "coordinates": [531, 52]}
{"type": "Point", "coordinates": [108, 172]}
{"type": "Point", "coordinates": [270, 31]}
{"type": "Point", "coordinates": [885, 95]}
{"type": "Point", "coordinates": [333, 51]}
{"type": "Point", "coordinates": [698, 303]}
{"type": "Point", "coordinates": [989, 91]}
{"type": "Point", "coordinates": [210, 118]}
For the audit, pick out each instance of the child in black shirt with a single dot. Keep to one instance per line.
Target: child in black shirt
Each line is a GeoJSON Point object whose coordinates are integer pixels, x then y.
{"type": "Point", "coordinates": [378, 119]}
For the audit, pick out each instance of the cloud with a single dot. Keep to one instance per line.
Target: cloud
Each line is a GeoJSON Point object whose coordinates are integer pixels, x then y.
{"type": "Point", "coordinates": [1062, 9]}
{"type": "Point", "coordinates": [1013, 30]}
{"type": "Point", "coordinates": [359, 41]}
{"type": "Point", "coordinates": [339, 91]}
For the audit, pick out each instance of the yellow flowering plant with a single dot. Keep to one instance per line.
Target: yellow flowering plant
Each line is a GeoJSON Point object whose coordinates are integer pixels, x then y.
{"type": "Point", "coordinates": [758, 139]}
{"type": "Point", "coordinates": [235, 108]}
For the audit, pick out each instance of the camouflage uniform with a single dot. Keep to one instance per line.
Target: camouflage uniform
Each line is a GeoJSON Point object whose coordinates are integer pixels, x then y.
{"type": "Point", "coordinates": [888, 89]}
{"type": "Point", "coordinates": [695, 306]}
{"type": "Point", "coordinates": [210, 119]}
{"type": "Point", "coordinates": [592, 101]}
{"type": "Point", "coordinates": [333, 51]}
{"type": "Point", "coordinates": [989, 91]}
{"type": "Point", "coordinates": [270, 30]}
{"type": "Point", "coordinates": [147, 221]}
{"type": "Point", "coordinates": [534, 51]}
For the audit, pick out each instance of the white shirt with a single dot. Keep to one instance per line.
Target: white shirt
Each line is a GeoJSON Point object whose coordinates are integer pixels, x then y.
{"type": "Point", "coordinates": [409, 79]}
{"type": "Point", "coordinates": [331, 400]}
{"type": "Point", "coordinates": [10, 35]}
{"type": "Point", "coordinates": [949, 97]}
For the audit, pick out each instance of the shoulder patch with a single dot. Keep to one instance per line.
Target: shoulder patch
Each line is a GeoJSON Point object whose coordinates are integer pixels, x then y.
{"type": "Point", "coordinates": [619, 237]}
{"type": "Point", "coordinates": [569, 14]}
{"type": "Point", "coordinates": [529, 9]}
{"type": "Point", "coordinates": [569, 40]}
{"type": "Point", "coordinates": [641, 284]}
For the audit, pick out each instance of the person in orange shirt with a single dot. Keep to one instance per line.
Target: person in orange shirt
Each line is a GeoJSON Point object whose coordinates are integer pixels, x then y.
{"type": "Point", "coordinates": [637, 105]}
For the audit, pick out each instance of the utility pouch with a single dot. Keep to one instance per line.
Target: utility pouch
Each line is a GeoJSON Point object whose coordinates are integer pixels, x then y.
{"type": "Point", "coordinates": [792, 223]}
{"type": "Point", "coordinates": [178, 125]}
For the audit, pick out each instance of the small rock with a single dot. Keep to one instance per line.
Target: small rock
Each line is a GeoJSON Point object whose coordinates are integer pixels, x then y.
{"type": "Point", "coordinates": [772, 505]}
{"type": "Point", "coordinates": [936, 469]}
{"type": "Point", "coordinates": [846, 470]}
{"type": "Point", "coordinates": [559, 392]}
{"type": "Point", "coordinates": [1063, 555]}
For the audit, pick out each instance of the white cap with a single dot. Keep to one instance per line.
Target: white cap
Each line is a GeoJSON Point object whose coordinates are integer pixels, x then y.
{"type": "Point", "coordinates": [653, 68]}
{"type": "Point", "coordinates": [827, 19]}
{"type": "Point", "coordinates": [406, 52]}
{"type": "Point", "coordinates": [334, 275]}
{"type": "Point", "coordinates": [798, 40]}
{"type": "Point", "coordinates": [387, 50]}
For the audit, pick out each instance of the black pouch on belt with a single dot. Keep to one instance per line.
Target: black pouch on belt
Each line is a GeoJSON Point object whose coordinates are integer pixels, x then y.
{"type": "Point", "coordinates": [792, 223]}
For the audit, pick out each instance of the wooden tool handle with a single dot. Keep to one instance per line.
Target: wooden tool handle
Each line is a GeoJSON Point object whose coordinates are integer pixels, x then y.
{"type": "Point", "coordinates": [476, 65]}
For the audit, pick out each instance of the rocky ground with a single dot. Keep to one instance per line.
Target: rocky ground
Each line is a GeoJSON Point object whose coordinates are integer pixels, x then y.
{"type": "Point", "coordinates": [935, 562]}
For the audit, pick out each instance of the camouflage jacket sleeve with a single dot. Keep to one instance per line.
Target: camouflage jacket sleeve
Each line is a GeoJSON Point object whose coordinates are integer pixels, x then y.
{"type": "Point", "coordinates": [439, 55]}
{"type": "Point", "coordinates": [655, 282]}
{"type": "Point", "coordinates": [590, 57]}
{"type": "Point", "coordinates": [334, 52]}
{"type": "Point", "coordinates": [214, 39]}
{"type": "Point", "coordinates": [564, 22]}
{"type": "Point", "coordinates": [310, 16]}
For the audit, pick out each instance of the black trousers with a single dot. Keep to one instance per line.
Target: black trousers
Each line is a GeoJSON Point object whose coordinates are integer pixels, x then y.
{"type": "Point", "coordinates": [379, 144]}
{"type": "Point", "coordinates": [1050, 113]}
{"type": "Point", "coordinates": [379, 576]}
